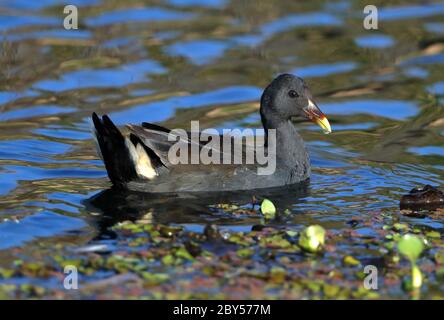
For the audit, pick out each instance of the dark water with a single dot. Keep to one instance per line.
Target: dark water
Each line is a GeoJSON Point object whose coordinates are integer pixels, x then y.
{"type": "Point", "coordinates": [173, 61]}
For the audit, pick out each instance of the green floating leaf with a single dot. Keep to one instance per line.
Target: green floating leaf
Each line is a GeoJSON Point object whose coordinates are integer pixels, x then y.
{"type": "Point", "coordinates": [268, 209]}
{"type": "Point", "coordinates": [183, 253]}
{"type": "Point", "coordinates": [6, 273]}
{"type": "Point", "coordinates": [411, 247]}
{"type": "Point", "coordinates": [154, 278]}
{"type": "Point", "coordinates": [400, 227]}
{"type": "Point", "coordinates": [351, 261]}
{"type": "Point", "coordinates": [168, 260]}
{"type": "Point", "coordinates": [331, 291]}
{"type": "Point", "coordinates": [440, 273]}
{"type": "Point", "coordinates": [312, 238]}
{"type": "Point", "coordinates": [245, 252]}
{"type": "Point", "coordinates": [433, 234]}
{"type": "Point", "coordinates": [275, 241]}
{"type": "Point", "coordinates": [439, 257]}
{"type": "Point", "coordinates": [277, 274]}
{"type": "Point", "coordinates": [291, 233]}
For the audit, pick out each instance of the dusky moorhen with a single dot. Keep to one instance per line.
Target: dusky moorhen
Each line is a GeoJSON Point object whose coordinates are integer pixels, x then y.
{"type": "Point", "coordinates": [138, 157]}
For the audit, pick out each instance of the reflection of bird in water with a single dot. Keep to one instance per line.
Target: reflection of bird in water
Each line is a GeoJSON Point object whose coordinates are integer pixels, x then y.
{"type": "Point", "coordinates": [115, 205]}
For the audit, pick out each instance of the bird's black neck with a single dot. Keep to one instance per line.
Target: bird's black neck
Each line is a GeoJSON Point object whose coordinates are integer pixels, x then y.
{"type": "Point", "coordinates": [289, 145]}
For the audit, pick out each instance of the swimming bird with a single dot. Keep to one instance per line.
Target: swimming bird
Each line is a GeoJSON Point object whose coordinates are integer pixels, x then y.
{"type": "Point", "coordinates": [140, 157]}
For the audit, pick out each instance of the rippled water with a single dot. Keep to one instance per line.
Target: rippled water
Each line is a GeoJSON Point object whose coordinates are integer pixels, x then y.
{"type": "Point", "coordinates": [173, 61]}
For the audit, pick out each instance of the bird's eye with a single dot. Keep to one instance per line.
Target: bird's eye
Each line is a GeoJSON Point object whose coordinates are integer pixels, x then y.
{"type": "Point", "coordinates": [293, 94]}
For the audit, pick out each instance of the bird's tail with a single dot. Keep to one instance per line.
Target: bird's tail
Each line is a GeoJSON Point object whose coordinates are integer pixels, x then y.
{"type": "Point", "coordinates": [112, 148]}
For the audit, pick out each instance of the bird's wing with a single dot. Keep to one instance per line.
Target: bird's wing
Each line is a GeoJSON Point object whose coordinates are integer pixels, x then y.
{"type": "Point", "coordinates": [160, 140]}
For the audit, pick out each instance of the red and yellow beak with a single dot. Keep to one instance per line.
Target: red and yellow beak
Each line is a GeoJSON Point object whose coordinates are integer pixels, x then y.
{"type": "Point", "coordinates": [315, 114]}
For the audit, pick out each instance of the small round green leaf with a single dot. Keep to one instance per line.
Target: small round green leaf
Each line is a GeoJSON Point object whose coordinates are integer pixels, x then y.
{"type": "Point", "coordinates": [312, 238]}
{"type": "Point", "coordinates": [268, 209]}
{"type": "Point", "coordinates": [411, 247]}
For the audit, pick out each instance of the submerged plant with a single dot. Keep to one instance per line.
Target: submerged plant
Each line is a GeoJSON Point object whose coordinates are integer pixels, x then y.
{"type": "Point", "coordinates": [411, 247]}
{"type": "Point", "coordinates": [312, 238]}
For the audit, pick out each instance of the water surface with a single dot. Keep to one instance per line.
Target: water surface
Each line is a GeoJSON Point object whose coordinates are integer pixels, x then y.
{"type": "Point", "coordinates": [173, 61]}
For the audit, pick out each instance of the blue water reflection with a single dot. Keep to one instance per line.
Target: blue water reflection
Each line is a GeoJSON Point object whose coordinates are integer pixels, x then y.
{"type": "Point", "coordinates": [96, 78]}
{"type": "Point", "coordinates": [322, 70]}
{"type": "Point", "coordinates": [374, 41]}
{"type": "Point", "coordinates": [137, 15]}
{"type": "Point", "coordinates": [199, 51]}
{"type": "Point", "coordinates": [391, 109]}
{"type": "Point", "coordinates": [408, 12]}
{"type": "Point", "coordinates": [166, 108]}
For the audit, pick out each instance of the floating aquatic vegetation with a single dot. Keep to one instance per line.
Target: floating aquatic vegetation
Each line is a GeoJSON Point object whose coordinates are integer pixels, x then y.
{"type": "Point", "coordinates": [411, 247]}
{"type": "Point", "coordinates": [268, 209]}
{"type": "Point", "coordinates": [312, 238]}
{"type": "Point", "coordinates": [351, 261]}
{"type": "Point", "coordinates": [157, 261]}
